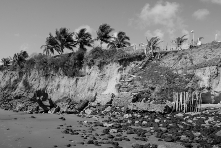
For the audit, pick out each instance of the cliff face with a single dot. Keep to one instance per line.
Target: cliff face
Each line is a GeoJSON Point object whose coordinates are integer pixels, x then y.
{"type": "Point", "coordinates": [115, 79]}
{"type": "Point", "coordinates": [59, 86]}
{"type": "Point", "coordinates": [210, 80]}
{"type": "Point", "coordinates": [204, 61]}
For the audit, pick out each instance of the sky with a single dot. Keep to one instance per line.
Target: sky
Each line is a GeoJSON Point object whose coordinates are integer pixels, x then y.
{"type": "Point", "coordinates": [25, 24]}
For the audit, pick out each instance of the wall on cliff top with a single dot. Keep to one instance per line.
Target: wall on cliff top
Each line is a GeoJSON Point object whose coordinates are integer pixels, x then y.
{"type": "Point", "coordinates": [60, 86]}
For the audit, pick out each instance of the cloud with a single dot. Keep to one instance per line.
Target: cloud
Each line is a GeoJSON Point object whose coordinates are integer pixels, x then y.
{"type": "Point", "coordinates": [24, 47]}
{"type": "Point", "coordinates": [212, 1]}
{"type": "Point", "coordinates": [164, 15]}
{"type": "Point", "coordinates": [201, 14]}
{"type": "Point", "coordinates": [159, 33]}
{"type": "Point", "coordinates": [89, 29]}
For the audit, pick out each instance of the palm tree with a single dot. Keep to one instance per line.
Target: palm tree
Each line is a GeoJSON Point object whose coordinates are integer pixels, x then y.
{"type": "Point", "coordinates": [49, 46]}
{"type": "Point", "coordinates": [119, 41]}
{"type": "Point", "coordinates": [6, 61]}
{"type": "Point", "coordinates": [180, 40]}
{"type": "Point", "coordinates": [152, 45]}
{"type": "Point", "coordinates": [20, 58]}
{"type": "Point", "coordinates": [83, 38]}
{"type": "Point", "coordinates": [103, 33]}
{"type": "Point", "coordinates": [62, 39]}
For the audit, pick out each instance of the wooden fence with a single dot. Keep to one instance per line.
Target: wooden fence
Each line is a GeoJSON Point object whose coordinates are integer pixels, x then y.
{"type": "Point", "coordinates": [187, 102]}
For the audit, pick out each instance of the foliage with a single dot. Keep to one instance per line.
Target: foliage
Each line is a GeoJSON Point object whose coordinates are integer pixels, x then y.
{"type": "Point", "coordinates": [6, 61]}
{"type": "Point", "coordinates": [180, 40]}
{"type": "Point", "coordinates": [19, 60]}
{"type": "Point", "coordinates": [83, 38]}
{"type": "Point", "coordinates": [119, 41]}
{"type": "Point", "coordinates": [153, 45]}
{"type": "Point", "coordinates": [68, 64]}
{"type": "Point", "coordinates": [103, 34]}
{"type": "Point", "coordinates": [100, 57]}
{"type": "Point", "coordinates": [166, 80]}
{"type": "Point", "coordinates": [62, 39]}
{"type": "Point", "coordinates": [155, 75]}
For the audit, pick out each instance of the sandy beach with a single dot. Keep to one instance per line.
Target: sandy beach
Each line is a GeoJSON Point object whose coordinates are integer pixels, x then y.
{"type": "Point", "coordinates": [22, 130]}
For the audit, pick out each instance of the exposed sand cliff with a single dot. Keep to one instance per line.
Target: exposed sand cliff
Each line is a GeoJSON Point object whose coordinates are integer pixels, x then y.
{"type": "Point", "coordinates": [204, 62]}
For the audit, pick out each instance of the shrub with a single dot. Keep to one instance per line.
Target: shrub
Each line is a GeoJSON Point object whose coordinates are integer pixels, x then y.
{"type": "Point", "coordinates": [166, 81]}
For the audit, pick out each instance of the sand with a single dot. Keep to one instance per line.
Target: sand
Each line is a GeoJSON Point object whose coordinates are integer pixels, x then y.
{"type": "Point", "coordinates": [22, 130]}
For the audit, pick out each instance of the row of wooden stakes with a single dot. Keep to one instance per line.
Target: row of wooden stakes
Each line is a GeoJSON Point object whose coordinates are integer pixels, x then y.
{"type": "Point", "coordinates": [187, 102]}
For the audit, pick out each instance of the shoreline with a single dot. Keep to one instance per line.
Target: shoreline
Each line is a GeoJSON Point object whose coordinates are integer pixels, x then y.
{"type": "Point", "coordinates": [23, 130]}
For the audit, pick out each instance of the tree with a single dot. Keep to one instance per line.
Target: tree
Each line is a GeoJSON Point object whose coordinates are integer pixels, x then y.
{"type": "Point", "coordinates": [49, 45]}
{"type": "Point", "coordinates": [62, 39]}
{"type": "Point", "coordinates": [103, 34]}
{"type": "Point", "coordinates": [83, 38]}
{"type": "Point", "coordinates": [20, 58]}
{"type": "Point", "coordinates": [119, 41]}
{"type": "Point", "coordinates": [152, 45]}
{"type": "Point", "coordinates": [180, 40]}
{"type": "Point", "coordinates": [6, 61]}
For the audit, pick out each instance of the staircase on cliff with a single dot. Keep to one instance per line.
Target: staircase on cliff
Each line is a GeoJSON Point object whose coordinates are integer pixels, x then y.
{"type": "Point", "coordinates": [130, 84]}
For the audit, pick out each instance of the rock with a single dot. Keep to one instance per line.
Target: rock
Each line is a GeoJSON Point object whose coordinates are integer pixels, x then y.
{"type": "Point", "coordinates": [106, 131]}
{"type": "Point", "coordinates": [136, 122]}
{"type": "Point", "coordinates": [80, 106]}
{"type": "Point", "coordinates": [88, 111]}
{"type": "Point", "coordinates": [108, 109]}
{"type": "Point", "coordinates": [90, 142]}
{"type": "Point", "coordinates": [197, 134]}
{"type": "Point", "coordinates": [144, 122]}
{"type": "Point", "coordinates": [157, 120]}
{"type": "Point", "coordinates": [218, 133]}
{"type": "Point", "coordinates": [136, 145]}
{"type": "Point", "coordinates": [113, 130]}
{"type": "Point", "coordinates": [107, 125]}
{"type": "Point", "coordinates": [162, 146]}
{"type": "Point", "coordinates": [57, 109]}
{"type": "Point", "coordinates": [127, 115]}
{"type": "Point", "coordinates": [62, 118]}
{"type": "Point", "coordinates": [179, 115]}
{"type": "Point", "coordinates": [168, 139]}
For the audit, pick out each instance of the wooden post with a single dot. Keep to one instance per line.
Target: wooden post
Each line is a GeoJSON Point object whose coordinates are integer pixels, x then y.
{"type": "Point", "coordinates": [200, 100]}
{"type": "Point", "coordinates": [181, 103]}
{"type": "Point", "coordinates": [196, 105]}
{"type": "Point", "coordinates": [177, 96]}
{"type": "Point", "coordinates": [187, 94]}
{"type": "Point", "coordinates": [192, 101]}
{"type": "Point", "coordinates": [184, 102]}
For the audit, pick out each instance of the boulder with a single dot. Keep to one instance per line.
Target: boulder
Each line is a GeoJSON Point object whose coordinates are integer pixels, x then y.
{"type": "Point", "coordinates": [81, 105]}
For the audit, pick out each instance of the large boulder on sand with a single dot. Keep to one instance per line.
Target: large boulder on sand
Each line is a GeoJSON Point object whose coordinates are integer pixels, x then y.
{"type": "Point", "coordinates": [81, 105]}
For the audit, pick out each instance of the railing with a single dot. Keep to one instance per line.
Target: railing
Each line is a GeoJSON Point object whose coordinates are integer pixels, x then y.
{"type": "Point", "coordinates": [142, 48]}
